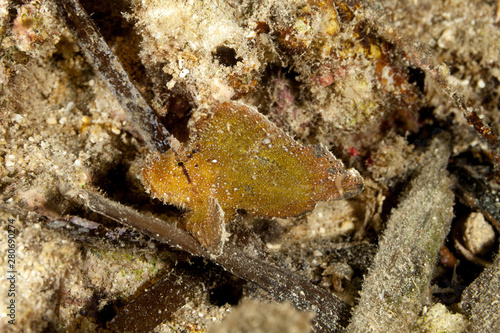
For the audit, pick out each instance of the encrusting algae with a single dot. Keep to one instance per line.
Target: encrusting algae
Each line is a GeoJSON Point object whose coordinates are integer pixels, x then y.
{"type": "Point", "coordinates": [237, 159]}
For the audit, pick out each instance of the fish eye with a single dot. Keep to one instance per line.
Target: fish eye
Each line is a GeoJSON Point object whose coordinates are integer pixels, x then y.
{"type": "Point", "coordinates": [180, 163]}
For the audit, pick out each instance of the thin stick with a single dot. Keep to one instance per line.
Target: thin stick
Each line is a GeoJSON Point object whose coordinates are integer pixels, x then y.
{"type": "Point", "coordinates": [107, 65]}
{"type": "Point", "coordinates": [332, 314]}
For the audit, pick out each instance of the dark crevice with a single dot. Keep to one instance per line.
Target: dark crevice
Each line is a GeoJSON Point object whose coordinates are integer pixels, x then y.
{"type": "Point", "coordinates": [417, 76]}
{"type": "Point", "coordinates": [228, 291]}
{"type": "Point", "coordinates": [226, 56]}
{"type": "Point", "coordinates": [430, 127]}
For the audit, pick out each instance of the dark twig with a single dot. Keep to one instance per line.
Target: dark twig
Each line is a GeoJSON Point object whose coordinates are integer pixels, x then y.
{"type": "Point", "coordinates": [107, 65]}
{"type": "Point", "coordinates": [159, 302]}
{"type": "Point", "coordinates": [490, 137]}
{"type": "Point", "coordinates": [422, 56]}
{"type": "Point", "coordinates": [468, 254]}
{"type": "Point", "coordinates": [332, 314]}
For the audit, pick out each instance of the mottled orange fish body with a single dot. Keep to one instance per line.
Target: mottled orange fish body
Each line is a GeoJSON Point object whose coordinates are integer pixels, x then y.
{"type": "Point", "coordinates": [180, 178]}
{"type": "Point", "coordinates": [238, 159]}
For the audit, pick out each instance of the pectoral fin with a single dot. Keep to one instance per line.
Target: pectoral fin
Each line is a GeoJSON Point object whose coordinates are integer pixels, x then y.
{"type": "Point", "coordinates": [207, 225]}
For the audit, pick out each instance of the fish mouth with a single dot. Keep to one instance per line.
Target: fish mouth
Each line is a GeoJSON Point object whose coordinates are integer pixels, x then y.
{"type": "Point", "coordinates": [350, 184]}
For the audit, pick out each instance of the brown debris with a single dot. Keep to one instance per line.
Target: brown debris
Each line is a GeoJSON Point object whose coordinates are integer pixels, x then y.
{"type": "Point", "coordinates": [331, 313]}
{"type": "Point", "coordinates": [492, 139]}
